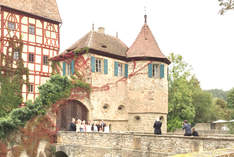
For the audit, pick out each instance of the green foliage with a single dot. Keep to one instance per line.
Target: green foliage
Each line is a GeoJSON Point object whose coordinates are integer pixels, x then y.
{"type": "Point", "coordinates": [180, 106]}
{"type": "Point", "coordinates": [82, 84]}
{"type": "Point", "coordinates": [85, 49]}
{"type": "Point", "coordinates": [202, 101]}
{"type": "Point", "coordinates": [218, 93]}
{"type": "Point", "coordinates": [56, 88]}
{"type": "Point", "coordinates": [226, 5]}
{"type": "Point", "coordinates": [230, 98]}
{"type": "Point", "coordinates": [12, 71]}
{"type": "Point", "coordinates": [55, 65]}
{"type": "Point", "coordinates": [231, 127]}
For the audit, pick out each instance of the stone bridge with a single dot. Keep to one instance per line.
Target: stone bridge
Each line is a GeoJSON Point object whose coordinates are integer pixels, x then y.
{"type": "Point", "coordinates": [72, 144]}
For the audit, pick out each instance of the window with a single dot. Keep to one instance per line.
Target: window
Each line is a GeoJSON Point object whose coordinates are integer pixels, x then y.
{"type": "Point", "coordinates": [11, 25]}
{"type": "Point", "coordinates": [45, 60]}
{"type": "Point", "coordinates": [30, 88]}
{"type": "Point", "coordinates": [31, 29]}
{"type": "Point", "coordinates": [16, 55]}
{"type": "Point", "coordinates": [155, 70]}
{"type": "Point", "coordinates": [98, 65]}
{"type": "Point", "coordinates": [68, 69]}
{"type": "Point", "coordinates": [120, 69]}
{"type": "Point", "coordinates": [31, 57]}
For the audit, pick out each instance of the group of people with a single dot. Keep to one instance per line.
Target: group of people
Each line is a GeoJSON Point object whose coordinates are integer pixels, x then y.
{"type": "Point", "coordinates": [186, 126]}
{"type": "Point", "coordinates": [187, 129]}
{"type": "Point", "coordinates": [83, 126]}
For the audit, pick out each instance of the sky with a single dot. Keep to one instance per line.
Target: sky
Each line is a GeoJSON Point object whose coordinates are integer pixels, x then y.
{"type": "Point", "coordinates": [191, 28]}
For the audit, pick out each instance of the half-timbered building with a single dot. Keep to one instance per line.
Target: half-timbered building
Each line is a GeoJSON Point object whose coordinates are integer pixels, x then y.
{"type": "Point", "coordinates": [36, 23]}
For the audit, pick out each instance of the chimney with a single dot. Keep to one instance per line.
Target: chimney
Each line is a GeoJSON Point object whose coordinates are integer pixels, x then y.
{"type": "Point", "coordinates": [101, 30]}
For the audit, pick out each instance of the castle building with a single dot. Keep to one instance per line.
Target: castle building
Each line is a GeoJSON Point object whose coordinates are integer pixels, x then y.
{"type": "Point", "coordinates": [36, 23]}
{"type": "Point", "coordinates": [129, 86]}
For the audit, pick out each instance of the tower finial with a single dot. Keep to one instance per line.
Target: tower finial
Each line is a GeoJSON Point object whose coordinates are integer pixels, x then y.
{"type": "Point", "coordinates": [145, 16]}
{"type": "Point", "coordinates": [93, 27]}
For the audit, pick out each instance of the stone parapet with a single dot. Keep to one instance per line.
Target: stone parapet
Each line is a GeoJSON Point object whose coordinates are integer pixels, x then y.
{"type": "Point", "coordinates": [136, 144]}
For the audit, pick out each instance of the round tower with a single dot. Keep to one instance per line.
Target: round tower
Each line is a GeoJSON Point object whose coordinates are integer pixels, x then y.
{"type": "Point", "coordinates": [147, 83]}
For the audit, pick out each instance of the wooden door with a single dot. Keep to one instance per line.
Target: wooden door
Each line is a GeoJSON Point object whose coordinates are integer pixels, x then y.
{"type": "Point", "coordinates": [71, 109]}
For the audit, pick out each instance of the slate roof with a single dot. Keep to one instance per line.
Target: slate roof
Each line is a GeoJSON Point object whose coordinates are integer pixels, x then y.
{"type": "Point", "coordinates": [145, 45]}
{"type": "Point", "coordinates": [100, 42]}
{"type": "Point", "coordinates": [44, 8]}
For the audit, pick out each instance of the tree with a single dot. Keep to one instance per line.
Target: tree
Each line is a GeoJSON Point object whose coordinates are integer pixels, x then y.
{"type": "Point", "coordinates": [218, 93]}
{"type": "Point", "coordinates": [180, 106]}
{"type": "Point", "coordinates": [221, 109]}
{"type": "Point", "coordinates": [230, 98]}
{"type": "Point", "coordinates": [202, 101]}
{"type": "Point", "coordinates": [226, 5]}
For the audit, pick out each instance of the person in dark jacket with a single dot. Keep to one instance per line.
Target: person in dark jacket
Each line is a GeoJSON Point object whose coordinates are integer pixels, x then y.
{"type": "Point", "coordinates": [72, 126]}
{"type": "Point", "coordinates": [187, 128]}
{"type": "Point", "coordinates": [157, 127]}
{"type": "Point", "coordinates": [194, 132]}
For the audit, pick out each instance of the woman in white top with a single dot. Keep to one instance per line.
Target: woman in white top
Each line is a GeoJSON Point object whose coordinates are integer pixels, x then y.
{"type": "Point", "coordinates": [88, 127]}
{"type": "Point", "coordinates": [107, 128]}
{"type": "Point", "coordinates": [82, 126]}
{"type": "Point", "coordinates": [95, 128]}
{"type": "Point", "coordinates": [78, 123]}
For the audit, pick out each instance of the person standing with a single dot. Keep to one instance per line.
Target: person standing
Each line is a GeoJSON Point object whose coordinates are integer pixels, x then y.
{"type": "Point", "coordinates": [72, 126]}
{"type": "Point", "coordinates": [187, 128]}
{"type": "Point", "coordinates": [157, 127]}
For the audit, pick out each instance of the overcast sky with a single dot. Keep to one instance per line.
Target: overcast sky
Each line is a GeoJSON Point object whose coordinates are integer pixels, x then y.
{"type": "Point", "coordinates": [191, 28]}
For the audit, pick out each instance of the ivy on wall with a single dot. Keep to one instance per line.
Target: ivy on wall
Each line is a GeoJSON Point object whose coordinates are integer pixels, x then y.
{"type": "Point", "coordinates": [12, 72]}
{"type": "Point", "coordinates": [56, 88]}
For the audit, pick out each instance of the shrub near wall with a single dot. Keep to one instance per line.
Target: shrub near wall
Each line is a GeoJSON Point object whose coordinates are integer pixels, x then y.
{"type": "Point", "coordinates": [39, 126]}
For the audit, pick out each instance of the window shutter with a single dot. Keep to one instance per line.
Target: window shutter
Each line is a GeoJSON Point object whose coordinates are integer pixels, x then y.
{"type": "Point", "coordinates": [92, 64]}
{"type": "Point", "coordinates": [72, 67]}
{"type": "Point", "coordinates": [105, 66]}
{"type": "Point", "coordinates": [126, 71]}
{"type": "Point", "coordinates": [116, 69]}
{"type": "Point", "coordinates": [64, 68]}
{"type": "Point", "coordinates": [150, 70]}
{"type": "Point", "coordinates": [161, 70]}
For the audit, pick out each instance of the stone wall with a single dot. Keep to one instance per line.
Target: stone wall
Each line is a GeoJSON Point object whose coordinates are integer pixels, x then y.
{"type": "Point", "coordinates": [119, 100]}
{"type": "Point", "coordinates": [135, 145]}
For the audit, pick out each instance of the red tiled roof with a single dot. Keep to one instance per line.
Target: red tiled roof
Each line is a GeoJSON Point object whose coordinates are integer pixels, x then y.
{"type": "Point", "coordinates": [100, 42]}
{"type": "Point", "coordinates": [47, 9]}
{"type": "Point", "coordinates": [145, 45]}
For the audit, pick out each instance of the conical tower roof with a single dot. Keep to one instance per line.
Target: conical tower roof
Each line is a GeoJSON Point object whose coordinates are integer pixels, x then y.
{"type": "Point", "coordinates": [47, 9]}
{"type": "Point", "coordinates": [145, 45]}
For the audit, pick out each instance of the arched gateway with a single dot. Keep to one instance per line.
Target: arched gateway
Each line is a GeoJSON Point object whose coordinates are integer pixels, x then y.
{"type": "Point", "coordinates": [60, 154]}
{"type": "Point", "coordinates": [67, 111]}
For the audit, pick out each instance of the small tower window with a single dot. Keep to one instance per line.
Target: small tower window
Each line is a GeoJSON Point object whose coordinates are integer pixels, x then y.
{"type": "Point", "coordinates": [137, 117]}
{"type": "Point", "coordinates": [155, 70]}
{"type": "Point", "coordinates": [105, 106]}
